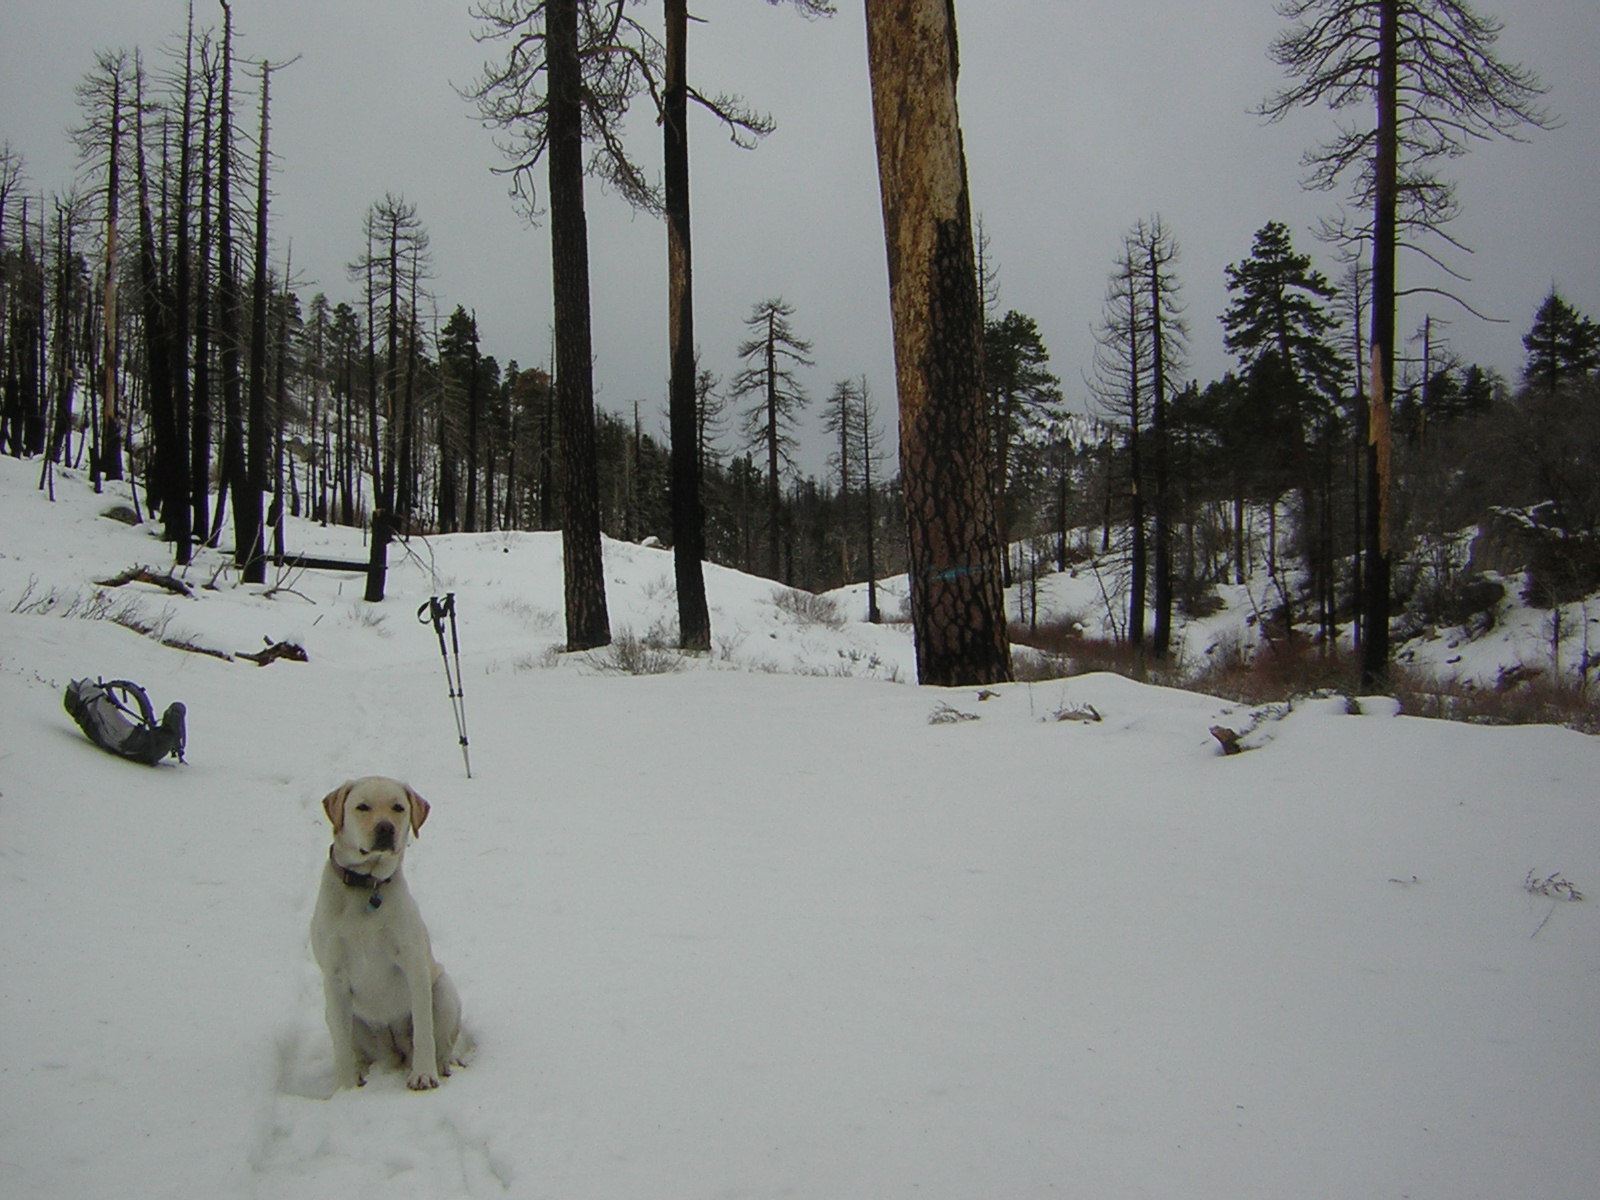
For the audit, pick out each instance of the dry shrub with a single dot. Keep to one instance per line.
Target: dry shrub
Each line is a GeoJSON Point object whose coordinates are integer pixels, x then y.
{"type": "Point", "coordinates": [1064, 649]}
{"type": "Point", "coordinates": [1029, 665]}
{"type": "Point", "coordinates": [1276, 671]}
{"type": "Point", "coordinates": [631, 655]}
{"type": "Point", "coordinates": [1283, 669]}
{"type": "Point", "coordinates": [808, 608]}
{"type": "Point", "coordinates": [1535, 701]}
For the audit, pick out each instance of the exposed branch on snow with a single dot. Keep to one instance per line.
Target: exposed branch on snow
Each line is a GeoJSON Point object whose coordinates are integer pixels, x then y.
{"type": "Point", "coordinates": [275, 651]}
{"type": "Point", "coordinates": [1227, 738]}
{"type": "Point", "coordinates": [146, 575]}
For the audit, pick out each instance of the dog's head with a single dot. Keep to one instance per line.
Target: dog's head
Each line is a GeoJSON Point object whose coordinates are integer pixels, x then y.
{"type": "Point", "coordinates": [372, 820]}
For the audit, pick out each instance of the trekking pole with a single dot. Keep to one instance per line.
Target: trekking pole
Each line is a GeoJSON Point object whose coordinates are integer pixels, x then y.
{"type": "Point", "coordinates": [436, 611]}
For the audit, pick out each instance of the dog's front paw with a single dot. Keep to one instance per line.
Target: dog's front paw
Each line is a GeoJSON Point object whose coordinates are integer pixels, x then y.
{"type": "Point", "coordinates": [422, 1081]}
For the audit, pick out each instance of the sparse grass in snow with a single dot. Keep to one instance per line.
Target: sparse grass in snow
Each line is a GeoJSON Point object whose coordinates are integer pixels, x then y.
{"type": "Point", "coordinates": [629, 654]}
{"type": "Point", "coordinates": [536, 617]}
{"type": "Point", "coordinates": [808, 608]}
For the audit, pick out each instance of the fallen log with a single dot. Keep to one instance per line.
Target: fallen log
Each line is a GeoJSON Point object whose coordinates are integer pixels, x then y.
{"type": "Point", "coordinates": [309, 562]}
{"type": "Point", "coordinates": [145, 575]}
{"type": "Point", "coordinates": [275, 651]}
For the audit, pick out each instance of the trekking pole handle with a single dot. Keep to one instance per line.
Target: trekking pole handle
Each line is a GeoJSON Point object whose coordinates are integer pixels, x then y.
{"type": "Point", "coordinates": [455, 646]}
{"type": "Point", "coordinates": [435, 610]}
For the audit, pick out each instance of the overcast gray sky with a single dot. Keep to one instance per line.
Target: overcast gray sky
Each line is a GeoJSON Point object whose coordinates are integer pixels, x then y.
{"type": "Point", "coordinates": [1080, 117]}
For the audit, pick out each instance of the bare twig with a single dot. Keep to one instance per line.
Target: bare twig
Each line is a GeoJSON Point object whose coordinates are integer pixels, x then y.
{"type": "Point", "coordinates": [1552, 885]}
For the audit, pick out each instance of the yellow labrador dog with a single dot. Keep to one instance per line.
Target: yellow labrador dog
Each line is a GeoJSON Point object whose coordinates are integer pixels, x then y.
{"type": "Point", "coordinates": [386, 998]}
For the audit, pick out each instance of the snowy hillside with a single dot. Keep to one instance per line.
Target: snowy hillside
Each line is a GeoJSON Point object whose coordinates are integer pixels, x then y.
{"type": "Point", "coordinates": [1509, 638]}
{"type": "Point", "coordinates": [772, 923]}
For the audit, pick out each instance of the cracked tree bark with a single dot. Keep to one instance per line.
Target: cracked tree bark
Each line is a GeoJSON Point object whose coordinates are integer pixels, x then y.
{"type": "Point", "coordinates": [953, 535]}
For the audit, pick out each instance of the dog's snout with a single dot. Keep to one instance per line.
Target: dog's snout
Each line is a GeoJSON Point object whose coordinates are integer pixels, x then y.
{"type": "Point", "coordinates": [383, 836]}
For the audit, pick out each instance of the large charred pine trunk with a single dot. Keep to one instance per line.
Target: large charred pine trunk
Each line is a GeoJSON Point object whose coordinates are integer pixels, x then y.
{"type": "Point", "coordinates": [953, 538]}
{"type": "Point", "coordinates": [688, 510]}
{"type": "Point", "coordinates": [1376, 577]}
{"type": "Point", "coordinates": [588, 624]}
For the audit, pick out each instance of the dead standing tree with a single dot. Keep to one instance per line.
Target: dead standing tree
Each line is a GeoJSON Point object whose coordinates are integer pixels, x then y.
{"type": "Point", "coordinates": [588, 624]}
{"type": "Point", "coordinates": [852, 418]}
{"type": "Point", "coordinates": [103, 96]}
{"type": "Point", "coordinates": [1427, 70]}
{"type": "Point", "coordinates": [168, 487]}
{"type": "Point", "coordinates": [773, 352]}
{"type": "Point", "coordinates": [745, 127]}
{"type": "Point", "coordinates": [688, 506]}
{"type": "Point", "coordinates": [1157, 251]}
{"type": "Point", "coordinates": [1121, 384]}
{"type": "Point", "coordinates": [21, 412]}
{"type": "Point", "coordinates": [228, 299]}
{"type": "Point", "coordinates": [953, 536]}
{"type": "Point", "coordinates": [396, 259]}
{"type": "Point", "coordinates": [248, 520]}
{"type": "Point", "coordinates": [572, 70]}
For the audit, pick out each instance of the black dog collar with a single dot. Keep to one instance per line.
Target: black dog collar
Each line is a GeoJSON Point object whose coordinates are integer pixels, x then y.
{"type": "Point", "coordinates": [355, 879]}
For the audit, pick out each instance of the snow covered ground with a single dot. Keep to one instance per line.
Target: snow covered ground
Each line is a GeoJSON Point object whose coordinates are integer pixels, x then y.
{"type": "Point", "coordinates": [764, 927]}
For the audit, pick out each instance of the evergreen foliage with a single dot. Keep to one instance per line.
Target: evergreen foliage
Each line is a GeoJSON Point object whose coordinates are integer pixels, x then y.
{"type": "Point", "coordinates": [1563, 344]}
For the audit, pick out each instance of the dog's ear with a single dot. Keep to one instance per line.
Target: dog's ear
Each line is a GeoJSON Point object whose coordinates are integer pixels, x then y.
{"type": "Point", "coordinates": [333, 805]}
{"type": "Point", "coordinates": [419, 809]}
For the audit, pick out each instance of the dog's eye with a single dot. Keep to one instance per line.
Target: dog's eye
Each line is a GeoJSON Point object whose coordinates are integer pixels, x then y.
{"type": "Point", "coordinates": [363, 808]}
{"type": "Point", "coordinates": [399, 808]}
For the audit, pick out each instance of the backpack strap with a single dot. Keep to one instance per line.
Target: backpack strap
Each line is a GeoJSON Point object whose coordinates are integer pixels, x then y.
{"type": "Point", "coordinates": [146, 714]}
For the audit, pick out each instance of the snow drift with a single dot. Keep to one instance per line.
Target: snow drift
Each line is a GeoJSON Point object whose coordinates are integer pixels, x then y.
{"type": "Point", "coordinates": [759, 926]}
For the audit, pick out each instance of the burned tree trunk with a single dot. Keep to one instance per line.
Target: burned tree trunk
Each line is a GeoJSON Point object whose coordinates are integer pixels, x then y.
{"type": "Point", "coordinates": [1376, 577]}
{"type": "Point", "coordinates": [163, 361]}
{"type": "Point", "coordinates": [688, 513]}
{"type": "Point", "coordinates": [250, 549]}
{"type": "Point", "coordinates": [234, 469]}
{"type": "Point", "coordinates": [588, 624]}
{"type": "Point", "coordinates": [953, 538]}
{"type": "Point", "coordinates": [108, 458]}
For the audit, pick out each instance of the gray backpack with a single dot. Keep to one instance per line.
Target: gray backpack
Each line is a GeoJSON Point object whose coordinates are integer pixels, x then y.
{"type": "Point", "coordinates": [126, 727]}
